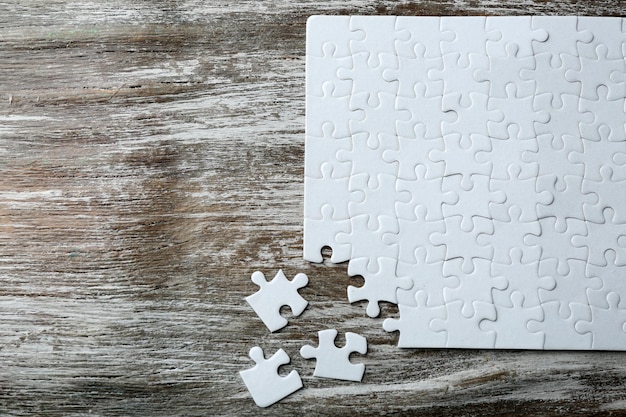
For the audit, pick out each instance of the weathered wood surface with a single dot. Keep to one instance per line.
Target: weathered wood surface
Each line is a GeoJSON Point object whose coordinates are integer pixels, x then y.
{"type": "Point", "coordinates": [151, 158]}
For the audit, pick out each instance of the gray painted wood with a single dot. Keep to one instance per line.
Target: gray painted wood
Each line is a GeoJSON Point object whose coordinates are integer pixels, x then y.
{"type": "Point", "coordinates": [151, 158]}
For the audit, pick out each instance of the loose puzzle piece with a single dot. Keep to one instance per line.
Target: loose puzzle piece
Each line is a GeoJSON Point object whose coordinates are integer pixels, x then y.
{"type": "Point", "coordinates": [263, 381]}
{"type": "Point", "coordinates": [277, 293]}
{"type": "Point", "coordinates": [334, 362]}
{"type": "Point", "coordinates": [473, 171]}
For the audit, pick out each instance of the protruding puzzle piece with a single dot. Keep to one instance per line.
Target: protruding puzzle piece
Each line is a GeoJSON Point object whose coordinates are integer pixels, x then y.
{"type": "Point", "coordinates": [334, 362]}
{"type": "Point", "coordinates": [277, 293]}
{"type": "Point", "coordinates": [263, 381]}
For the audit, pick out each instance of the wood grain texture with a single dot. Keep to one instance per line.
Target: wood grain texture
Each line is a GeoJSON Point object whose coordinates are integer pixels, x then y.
{"type": "Point", "coordinates": [151, 158]}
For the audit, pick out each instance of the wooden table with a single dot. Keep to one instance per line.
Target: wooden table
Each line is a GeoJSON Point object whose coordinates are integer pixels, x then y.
{"type": "Point", "coordinates": [151, 158]}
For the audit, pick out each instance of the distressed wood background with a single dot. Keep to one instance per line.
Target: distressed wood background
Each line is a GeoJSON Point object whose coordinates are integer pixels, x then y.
{"type": "Point", "coordinates": [151, 158]}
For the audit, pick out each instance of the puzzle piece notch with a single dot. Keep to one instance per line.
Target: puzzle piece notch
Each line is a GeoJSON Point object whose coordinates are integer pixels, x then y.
{"type": "Point", "coordinates": [263, 381]}
{"type": "Point", "coordinates": [334, 362]}
{"type": "Point", "coordinates": [272, 295]}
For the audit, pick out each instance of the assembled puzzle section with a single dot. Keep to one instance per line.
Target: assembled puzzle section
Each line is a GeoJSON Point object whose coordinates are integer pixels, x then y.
{"type": "Point", "coordinates": [473, 171]}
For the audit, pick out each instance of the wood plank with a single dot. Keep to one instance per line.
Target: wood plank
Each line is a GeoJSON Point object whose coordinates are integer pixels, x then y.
{"type": "Point", "coordinates": [151, 158]}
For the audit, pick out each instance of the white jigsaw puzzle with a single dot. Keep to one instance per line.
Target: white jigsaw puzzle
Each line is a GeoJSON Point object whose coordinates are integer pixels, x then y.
{"type": "Point", "coordinates": [334, 362]}
{"type": "Point", "coordinates": [275, 294]}
{"type": "Point", "coordinates": [473, 171]}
